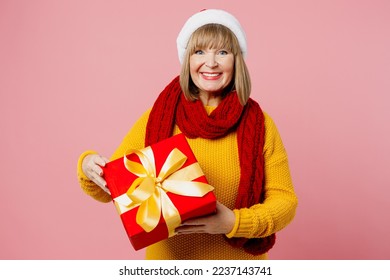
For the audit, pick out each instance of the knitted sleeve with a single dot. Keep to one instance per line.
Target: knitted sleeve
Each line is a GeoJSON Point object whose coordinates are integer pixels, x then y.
{"type": "Point", "coordinates": [135, 139]}
{"type": "Point", "coordinates": [279, 206]}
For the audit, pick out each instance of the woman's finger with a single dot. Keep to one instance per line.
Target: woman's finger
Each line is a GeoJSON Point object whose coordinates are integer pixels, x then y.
{"type": "Point", "coordinates": [193, 222]}
{"type": "Point", "coordinates": [100, 182]}
{"type": "Point", "coordinates": [190, 229]}
{"type": "Point", "coordinates": [98, 170]}
{"type": "Point", "coordinates": [99, 160]}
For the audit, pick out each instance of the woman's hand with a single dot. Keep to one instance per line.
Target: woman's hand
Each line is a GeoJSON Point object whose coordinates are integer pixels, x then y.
{"type": "Point", "coordinates": [222, 222]}
{"type": "Point", "coordinates": [92, 168]}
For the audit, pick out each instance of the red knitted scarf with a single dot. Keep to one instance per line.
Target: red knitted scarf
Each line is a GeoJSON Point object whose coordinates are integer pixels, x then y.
{"type": "Point", "coordinates": [172, 108]}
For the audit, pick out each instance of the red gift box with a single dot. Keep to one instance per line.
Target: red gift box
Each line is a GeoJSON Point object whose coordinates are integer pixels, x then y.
{"type": "Point", "coordinates": [156, 188]}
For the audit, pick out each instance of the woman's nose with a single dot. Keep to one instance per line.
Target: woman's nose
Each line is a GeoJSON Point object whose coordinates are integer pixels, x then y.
{"type": "Point", "coordinates": [211, 62]}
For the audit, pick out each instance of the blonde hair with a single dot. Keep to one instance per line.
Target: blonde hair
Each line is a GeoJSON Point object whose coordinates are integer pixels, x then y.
{"type": "Point", "coordinates": [216, 36]}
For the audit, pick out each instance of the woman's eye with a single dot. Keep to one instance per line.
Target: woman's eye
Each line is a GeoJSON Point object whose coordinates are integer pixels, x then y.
{"type": "Point", "coordinates": [223, 52]}
{"type": "Point", "coordinates": [198, 52]}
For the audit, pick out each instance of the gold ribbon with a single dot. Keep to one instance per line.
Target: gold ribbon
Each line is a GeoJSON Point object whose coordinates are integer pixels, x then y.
{"type": "Point", "coordinates": [149, 191]}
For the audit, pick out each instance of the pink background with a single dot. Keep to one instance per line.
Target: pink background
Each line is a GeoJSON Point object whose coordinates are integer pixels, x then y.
{"type": "Point", "coordinates": [75, 75]}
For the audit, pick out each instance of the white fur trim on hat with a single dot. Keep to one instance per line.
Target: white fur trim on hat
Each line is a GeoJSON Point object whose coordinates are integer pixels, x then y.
{"type": "Point", "coordinates": [205, 17]}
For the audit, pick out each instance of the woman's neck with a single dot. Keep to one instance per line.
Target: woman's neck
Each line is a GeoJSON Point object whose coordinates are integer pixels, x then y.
{"type": "Point", "coordinates": [210, 99]}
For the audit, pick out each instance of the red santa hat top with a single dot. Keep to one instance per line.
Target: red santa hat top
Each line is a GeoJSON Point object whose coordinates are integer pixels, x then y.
{"type": "Point", "coordinates": [205, 17]}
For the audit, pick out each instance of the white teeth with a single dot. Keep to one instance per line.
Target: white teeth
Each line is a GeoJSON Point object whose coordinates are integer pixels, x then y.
{"type": "Point", "coordinates": [211, 74]}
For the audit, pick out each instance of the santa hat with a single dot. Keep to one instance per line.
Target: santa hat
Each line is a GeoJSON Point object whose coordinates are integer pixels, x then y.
{"type": "Point", "coordinates": [205, 17]}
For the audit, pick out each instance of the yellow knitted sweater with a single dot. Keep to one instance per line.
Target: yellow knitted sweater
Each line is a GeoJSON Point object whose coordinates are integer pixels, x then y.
{"type": "Point", "coordinates": [220, 163]}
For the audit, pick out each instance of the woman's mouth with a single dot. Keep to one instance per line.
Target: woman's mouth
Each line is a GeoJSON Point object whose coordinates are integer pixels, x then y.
{"type": "Point", "coordinates": [210, 76]}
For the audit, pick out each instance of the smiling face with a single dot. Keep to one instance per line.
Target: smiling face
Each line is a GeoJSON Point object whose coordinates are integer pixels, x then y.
{"type": "Point", "coordinates": [211, 70]}
{"type": "Point", "coordinates": [213, 65]}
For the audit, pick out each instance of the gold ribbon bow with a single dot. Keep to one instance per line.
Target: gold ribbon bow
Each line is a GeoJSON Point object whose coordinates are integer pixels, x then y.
{"type": "Point", "coordinates": [148, 191]}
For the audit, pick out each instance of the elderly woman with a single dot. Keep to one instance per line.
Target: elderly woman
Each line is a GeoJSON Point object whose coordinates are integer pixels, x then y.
{"type": "Point", "coordinates": [236, 144]}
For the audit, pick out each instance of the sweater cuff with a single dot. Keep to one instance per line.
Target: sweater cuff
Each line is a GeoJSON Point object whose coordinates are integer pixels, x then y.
{"type": "Point", "coordinates": [80, 172]}
{"type": "Point", "coordinates": [244, 224]}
